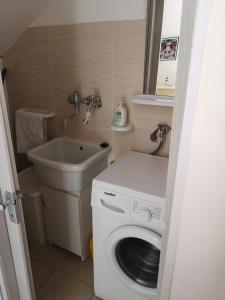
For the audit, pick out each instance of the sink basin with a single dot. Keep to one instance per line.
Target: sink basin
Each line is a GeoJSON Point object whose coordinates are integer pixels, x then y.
{"type": "Point", "coordinates": [68, 164]}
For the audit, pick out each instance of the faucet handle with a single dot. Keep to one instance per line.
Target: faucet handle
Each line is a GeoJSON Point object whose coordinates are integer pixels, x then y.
{"type": "Point", "coordinates": [88, 100]}
{"type": "Point", "coordinates": [75, 97]}
{"type": "Point", "coordinates": [98, 102]}
{"type": "Point", "coordinates": [164, 128]}
{"type": "Point", "coordinates": [93, 101]}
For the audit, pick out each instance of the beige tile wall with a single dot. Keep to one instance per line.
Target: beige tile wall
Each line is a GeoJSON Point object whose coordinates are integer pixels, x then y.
{"type": "Point", "coordinates": [106, 58]}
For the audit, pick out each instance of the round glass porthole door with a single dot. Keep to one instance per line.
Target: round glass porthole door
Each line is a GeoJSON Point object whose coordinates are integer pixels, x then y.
{"type": "Point", "coordinates": [139, 260]}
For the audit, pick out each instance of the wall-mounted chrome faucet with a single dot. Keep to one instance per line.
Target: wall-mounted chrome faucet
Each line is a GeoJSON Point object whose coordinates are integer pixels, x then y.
{"type": "Point", "coordinates": [159, 135]}
{"type": "Point", "coordinates": [75, 98]}
{"type": "Point", "coordinates": [92, 102]}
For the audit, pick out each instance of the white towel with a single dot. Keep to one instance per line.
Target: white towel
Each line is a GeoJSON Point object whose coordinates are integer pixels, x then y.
{"type": "Point", "coordinates": [30, 129]}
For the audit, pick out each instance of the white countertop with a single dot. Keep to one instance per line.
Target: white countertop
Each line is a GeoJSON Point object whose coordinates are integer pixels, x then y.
{"type": "Point", "coordinates": [135, 172]}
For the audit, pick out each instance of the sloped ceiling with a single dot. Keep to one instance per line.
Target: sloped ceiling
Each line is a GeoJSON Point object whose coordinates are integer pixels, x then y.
{"type": "Point", "coordinates": [15, 17]}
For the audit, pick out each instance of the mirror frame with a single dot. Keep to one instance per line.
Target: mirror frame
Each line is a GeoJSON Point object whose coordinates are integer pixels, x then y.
{"type": "Point", "coordinates": [154, 21]}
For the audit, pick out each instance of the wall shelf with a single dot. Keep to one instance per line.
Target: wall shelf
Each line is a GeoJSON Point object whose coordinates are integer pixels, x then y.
{"type": "Point", "coordinates": [128, 127]}
{"type": "Point", "coordinates": [167, 101]}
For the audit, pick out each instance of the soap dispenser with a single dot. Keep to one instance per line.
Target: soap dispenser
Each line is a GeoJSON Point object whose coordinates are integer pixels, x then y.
{"type": "Point", "coordinates": [120, 115]}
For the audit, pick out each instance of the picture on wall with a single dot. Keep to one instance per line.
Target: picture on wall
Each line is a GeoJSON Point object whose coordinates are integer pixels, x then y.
{"type": "Point", "coordinates": [169, 48]}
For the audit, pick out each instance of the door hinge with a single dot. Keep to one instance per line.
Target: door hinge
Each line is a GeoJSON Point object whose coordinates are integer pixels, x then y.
{"type": "Point", "coordinates": [10, 202]}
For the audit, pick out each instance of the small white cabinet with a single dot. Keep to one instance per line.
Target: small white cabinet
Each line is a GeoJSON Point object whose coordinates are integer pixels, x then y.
{"type": "Point", "coordinates": [68, 219]}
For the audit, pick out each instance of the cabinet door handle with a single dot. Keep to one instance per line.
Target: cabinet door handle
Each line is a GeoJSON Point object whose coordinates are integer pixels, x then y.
{"type": "Point", "coordinates": [113, 208]}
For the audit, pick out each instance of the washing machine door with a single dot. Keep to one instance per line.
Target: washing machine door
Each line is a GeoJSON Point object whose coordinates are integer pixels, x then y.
{"type": "Point", "coordinates": [133, 252]}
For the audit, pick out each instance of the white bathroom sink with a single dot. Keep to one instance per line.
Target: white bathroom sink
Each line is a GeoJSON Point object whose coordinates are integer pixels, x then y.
{"type": "Point", "coordinates": [68, 164]}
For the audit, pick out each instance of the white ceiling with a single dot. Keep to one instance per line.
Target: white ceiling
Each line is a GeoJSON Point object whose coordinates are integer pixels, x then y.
{"type": "Point", "coordinates": [15, 17]}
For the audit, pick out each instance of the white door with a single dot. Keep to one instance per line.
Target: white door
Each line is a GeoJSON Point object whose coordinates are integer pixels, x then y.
{"type": "Point", "coordinates": [8, 283]}
{"type": "Point", "coordinates": [15, 275]}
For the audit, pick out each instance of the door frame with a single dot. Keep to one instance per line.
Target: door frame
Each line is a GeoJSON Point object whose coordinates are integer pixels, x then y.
{"type": "Point", "coordinates": [8, 281]}
{"type": "Point", "coordinates": [188, 81]}
{"type": "Point", "coordinates": [17, 239]}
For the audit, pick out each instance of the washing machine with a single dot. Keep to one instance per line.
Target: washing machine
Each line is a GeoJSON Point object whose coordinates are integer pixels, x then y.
{"type": "Point", "coordinates": [128, 205]}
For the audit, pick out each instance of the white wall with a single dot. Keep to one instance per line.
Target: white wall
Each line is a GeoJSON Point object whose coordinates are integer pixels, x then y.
{"type": "Point", "coordinates": [15, 16]}
{"type": "Point", "coordinates": [172, 217]}
{"type": "Point", "coordinates": [170, 28]}
{"type": "Point", "coordinates": [172, 18]}
{"type": "Point", "coordinates": [62, 12]}
{"type": "Point", "coordinates": [199, 271]}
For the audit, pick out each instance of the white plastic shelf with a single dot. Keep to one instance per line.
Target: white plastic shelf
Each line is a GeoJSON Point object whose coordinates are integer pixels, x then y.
{"type": "Point", "coordinates": [153, 100]}
{"type": "Point", "coordinates": [129, 127]}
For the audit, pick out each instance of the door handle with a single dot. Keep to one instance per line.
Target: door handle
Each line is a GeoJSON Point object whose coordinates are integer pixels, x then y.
{"type": "Point", "coordinates": [11, 202]}
{"type": "Point", "coordinates": [111, 207]}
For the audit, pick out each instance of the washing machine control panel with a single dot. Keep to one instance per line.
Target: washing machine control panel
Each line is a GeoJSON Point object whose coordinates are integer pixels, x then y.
{"type": "Point", "coordinates": [146, 211]}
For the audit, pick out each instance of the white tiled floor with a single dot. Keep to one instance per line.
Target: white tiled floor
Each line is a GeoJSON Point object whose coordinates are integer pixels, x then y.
{"type": "Point", "coordinates": [61, 275]}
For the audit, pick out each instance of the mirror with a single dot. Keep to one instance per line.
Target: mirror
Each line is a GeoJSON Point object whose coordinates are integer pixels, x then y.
{"type": "Point", "coordinates": [162, 46]}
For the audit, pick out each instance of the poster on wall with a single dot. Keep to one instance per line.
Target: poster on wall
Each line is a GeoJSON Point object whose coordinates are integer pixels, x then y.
{"type": "Point", "coordinates": [169, 48]}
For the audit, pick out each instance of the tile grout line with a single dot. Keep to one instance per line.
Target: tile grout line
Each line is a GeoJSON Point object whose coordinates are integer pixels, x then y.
{"type": "Point", "coordinates": [45, 282]}
{"type": "Point", "coordinates": [92, 295]}
{"type": "Point", "coordinates": [37, 290]}
{"type": "Point", "coordinates": [67, 275]}
{"type": "Point", "coordinates": [74, 277]}
{"type": "Point", "coordinates": [59, 270]}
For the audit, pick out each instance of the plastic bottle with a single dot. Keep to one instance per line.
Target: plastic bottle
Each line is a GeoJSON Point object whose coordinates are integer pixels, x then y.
{"type": "Point", "coordinates": [120, 115]}
{"type": "Point", "coordinates": [166, 82]}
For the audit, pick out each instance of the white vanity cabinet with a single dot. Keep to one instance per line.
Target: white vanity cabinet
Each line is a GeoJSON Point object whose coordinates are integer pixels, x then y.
{"type": "Point", "coordinates": [65, 168]}
{"type": "Point", "coordinates": [68, 219]}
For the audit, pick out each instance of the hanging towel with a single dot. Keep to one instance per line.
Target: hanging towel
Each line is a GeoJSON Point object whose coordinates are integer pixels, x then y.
{"type": "Point", "coordinates": [30, 129]}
